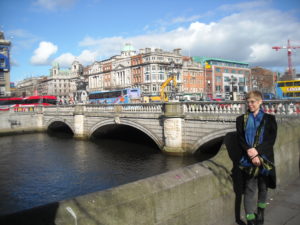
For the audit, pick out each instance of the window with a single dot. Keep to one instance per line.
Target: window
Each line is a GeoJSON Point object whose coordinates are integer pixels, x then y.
{"type": "Point", "coordinates": [218, 79]}
{"type": "Point", "coordinates": [241, 79]}
{"type": "Point", "coordinates": [226, 79]}
{"type": "Point", "coordinates": [218, 70]}
{"type": "Point", "coordinates": [233, 71]}
{"type": "Point", "coordinates": [147, 77]}
{"type": "Point", "coordinates": [161, 76]}
{"type": "Point", "coordinates": [226, 70]}
{"type": "Point", "coordinates": [2, 62]}
{"type": "Point", "coordinates": [227, 88]}
{"type": "Point", "coordinates": [1, 75]}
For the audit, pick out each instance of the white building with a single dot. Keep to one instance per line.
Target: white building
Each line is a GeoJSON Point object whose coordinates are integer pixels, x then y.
{"type": "Point", "coordinates": [146, 70]}
{"type": "Point", "coordinates": [62, 83]}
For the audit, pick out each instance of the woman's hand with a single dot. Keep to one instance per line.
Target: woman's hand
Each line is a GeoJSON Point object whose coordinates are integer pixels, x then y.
{"type": "Point", "coordinates": [256, 161]}
{"type": "Point", "coordinates": [252, 152]}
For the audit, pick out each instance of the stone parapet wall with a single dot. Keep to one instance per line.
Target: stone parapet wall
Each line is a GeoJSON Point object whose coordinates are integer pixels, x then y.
{"type": "Point", "coordinates": [12, 123]}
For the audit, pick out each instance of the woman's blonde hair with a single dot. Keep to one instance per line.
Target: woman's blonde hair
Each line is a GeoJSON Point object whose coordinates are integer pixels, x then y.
{"type": "Point", "coordinates": [254, 94]}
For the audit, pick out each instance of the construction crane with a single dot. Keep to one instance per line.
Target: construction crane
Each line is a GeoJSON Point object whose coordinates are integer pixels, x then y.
{"type": "Point", "coordinates": [163, 94]}
{"type": "Point", "coordinates": [289, 53]}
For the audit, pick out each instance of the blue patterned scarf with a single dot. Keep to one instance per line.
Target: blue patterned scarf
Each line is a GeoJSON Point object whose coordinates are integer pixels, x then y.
{"type": "Point", "coordinates": [252, 126]}
{"type": "Point", "coordinates": [254, 129]}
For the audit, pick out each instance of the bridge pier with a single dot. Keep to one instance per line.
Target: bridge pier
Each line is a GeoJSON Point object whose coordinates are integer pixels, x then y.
{"type": "Point", "coordinates": [79, 122]}
{"type": "Point", "coordinates": [172, 125]}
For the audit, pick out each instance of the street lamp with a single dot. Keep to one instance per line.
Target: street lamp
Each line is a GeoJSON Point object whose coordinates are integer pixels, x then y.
{"type": "Point", "coordinates": [232, 82]}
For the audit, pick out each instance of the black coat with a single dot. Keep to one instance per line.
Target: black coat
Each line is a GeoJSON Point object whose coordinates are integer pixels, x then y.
{"type": "Point", "coordinates": [266, 147]}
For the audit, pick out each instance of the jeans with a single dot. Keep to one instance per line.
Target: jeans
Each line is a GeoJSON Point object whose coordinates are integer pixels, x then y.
{"type": "Point", "coordinates": [250, 200]}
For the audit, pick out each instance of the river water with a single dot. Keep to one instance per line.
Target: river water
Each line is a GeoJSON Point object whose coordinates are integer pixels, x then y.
{"type": "Point", "coordinates": [36, 169]}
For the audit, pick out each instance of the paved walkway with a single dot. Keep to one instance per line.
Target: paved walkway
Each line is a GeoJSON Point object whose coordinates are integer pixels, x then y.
{"type": "Point", "coordinates": [284, 206]}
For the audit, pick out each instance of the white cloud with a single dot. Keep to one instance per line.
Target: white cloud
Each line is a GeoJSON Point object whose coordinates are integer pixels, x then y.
{"type": "Point", "coordinates": [43, 52]}
{"type": "Point", "coordinates": [87, 56]}
{"type": "Point", "coordinates": [54, 4]}
{"type": "Point", "coordinates": [65, 60]}
{"type": "Point", "coordinates": [246, 36]}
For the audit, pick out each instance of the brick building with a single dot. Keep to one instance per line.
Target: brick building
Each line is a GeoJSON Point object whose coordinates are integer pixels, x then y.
{"type": "Point", "coordinates": [224, 78]}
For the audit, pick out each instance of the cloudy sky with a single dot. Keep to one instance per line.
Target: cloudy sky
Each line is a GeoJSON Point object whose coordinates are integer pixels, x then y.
{"type": "Point", "coordinates": [44, 31]}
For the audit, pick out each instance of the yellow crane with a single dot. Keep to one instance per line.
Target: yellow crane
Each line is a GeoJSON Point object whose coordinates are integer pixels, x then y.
{"type": "Point", "coordinates": [163, 94]}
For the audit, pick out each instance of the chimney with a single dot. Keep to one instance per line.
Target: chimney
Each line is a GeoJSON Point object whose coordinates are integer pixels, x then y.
{"type": "Point", "coordinates": [148, 50]}
{"type": "Point", "coordinates": [177, 51]}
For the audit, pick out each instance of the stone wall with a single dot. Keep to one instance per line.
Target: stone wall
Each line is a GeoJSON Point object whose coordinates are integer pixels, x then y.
{"type": "Point", "coordinates": [12, 123]}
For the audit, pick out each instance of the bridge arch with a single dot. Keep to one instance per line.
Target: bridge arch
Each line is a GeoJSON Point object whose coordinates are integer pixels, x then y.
{"type": "Point", "coordinates": [135, 125]}
{"type": "Point", "coordinates": [54, 120]}
{"type": "Point", "coordinates": [211, 136]}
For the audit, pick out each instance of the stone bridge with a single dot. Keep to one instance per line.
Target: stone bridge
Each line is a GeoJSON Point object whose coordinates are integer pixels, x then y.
{"type": "Point", "coordinates": [177, 128]}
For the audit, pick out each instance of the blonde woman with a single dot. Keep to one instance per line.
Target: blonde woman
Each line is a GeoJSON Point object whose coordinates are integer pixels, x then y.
{"type": "Point", "coordinates": [256, 132]}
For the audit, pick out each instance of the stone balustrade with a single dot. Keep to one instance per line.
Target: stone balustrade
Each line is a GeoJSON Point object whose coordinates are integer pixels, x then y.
{"type": "Point", "coordinates": [275, 107]}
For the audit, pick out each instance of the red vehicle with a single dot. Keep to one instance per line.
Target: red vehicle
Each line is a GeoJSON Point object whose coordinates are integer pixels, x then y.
{"type": "Point", "coordinates": [15, 102]}
{"type": "Point", "coordinates": [6, 103]}
{"type": "Point", "coordinates": [39, 100]}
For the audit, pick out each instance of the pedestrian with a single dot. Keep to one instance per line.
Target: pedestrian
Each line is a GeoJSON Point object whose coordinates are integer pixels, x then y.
{"type": "Point", "coordinates": [256, 131]}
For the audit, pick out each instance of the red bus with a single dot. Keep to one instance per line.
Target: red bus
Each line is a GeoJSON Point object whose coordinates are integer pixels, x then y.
{"type": "Point", "coordinates": [39, 100]}
{"type": "Point", "coordinates": [7, 103]}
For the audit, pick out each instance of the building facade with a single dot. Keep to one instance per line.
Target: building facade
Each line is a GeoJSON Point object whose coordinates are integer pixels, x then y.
{"type": "Point", "coordinates": [225, 78]}
{"type": "Point", "coordinates": [146, 70]}
{"type": "Point", "coordinates": [263, 80]}
{"type": "Point", "coordinates": [4, 66]}
{"type": "Point", "coordinates": [63, 83]}
{"type": "Point", "coordinates": [193, 84]}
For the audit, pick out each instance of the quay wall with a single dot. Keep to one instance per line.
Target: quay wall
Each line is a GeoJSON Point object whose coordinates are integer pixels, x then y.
{"type": "Point", "coordinates": [204, 193]}
{"type": "Point", "coordinates": [13, 123]}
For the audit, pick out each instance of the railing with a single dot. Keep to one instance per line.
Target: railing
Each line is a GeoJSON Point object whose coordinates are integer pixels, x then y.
{"type": "Point", "coordinates": [214, 107]}
{"type": "Point", "coordinates": [149, 108]}
{"type": "Point", "coordinates": [276, 107]}
{"type": "Point", "coordinates": [282, 107]}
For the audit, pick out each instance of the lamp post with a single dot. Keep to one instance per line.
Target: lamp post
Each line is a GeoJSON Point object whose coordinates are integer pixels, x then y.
{"type": "Point", "coordinates": [208, 89]}
{"type": "Point", "coordinates": [232, 82]}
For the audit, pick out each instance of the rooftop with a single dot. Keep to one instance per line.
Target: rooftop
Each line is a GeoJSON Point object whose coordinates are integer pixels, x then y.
{"type": "Point", "coordinates": [202, 60]}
